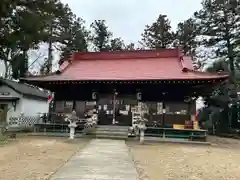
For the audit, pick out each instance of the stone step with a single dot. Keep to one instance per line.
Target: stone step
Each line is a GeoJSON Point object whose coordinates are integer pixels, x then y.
{"type": "Point", "coordinates": [110, 137]}
{"type": "Point", "coordinates": [113, 133]}
{"type": "Point", "coordinates": [107, 130]}
{"type": "Point", "coordinates": [100, 131]}
{"type": "Point", "coordinates": [113, 129]}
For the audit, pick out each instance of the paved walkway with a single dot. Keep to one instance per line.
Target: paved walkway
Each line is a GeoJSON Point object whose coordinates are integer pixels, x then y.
{"type": "Point", "coordinates": [101, 159]}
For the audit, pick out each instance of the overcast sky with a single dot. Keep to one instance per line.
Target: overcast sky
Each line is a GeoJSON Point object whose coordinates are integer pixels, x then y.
{"type": "Point", "coordinates": [127, 18]}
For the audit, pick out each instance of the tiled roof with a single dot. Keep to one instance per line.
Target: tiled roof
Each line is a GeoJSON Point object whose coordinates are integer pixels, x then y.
{"type": "Point", "coordinates": [163, 64]}
{"type": "Point", "coordinates": [24, 89]}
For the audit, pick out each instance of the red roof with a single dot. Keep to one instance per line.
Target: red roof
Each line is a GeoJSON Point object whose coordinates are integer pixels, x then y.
{"type": "Point", "coordinates": [162, 64]}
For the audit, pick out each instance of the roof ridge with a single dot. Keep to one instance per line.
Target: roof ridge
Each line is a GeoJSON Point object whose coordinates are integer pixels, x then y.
{"type": "Point", "coordinates": [134, 54]}
{"type": "Point", "coordinates": [63, 66]}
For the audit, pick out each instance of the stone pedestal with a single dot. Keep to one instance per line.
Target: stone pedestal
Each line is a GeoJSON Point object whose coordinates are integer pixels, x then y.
{"type": "Point", "coordinates": [72, 118]}
{"type": "Point", "coordinates": [113, 122]}
{"type": "Point", "coordinates": [72, 127]}
{"type": "Point", "coordinates": [142, 128]}
{"type": "Point", "coordinates": [141, 136]}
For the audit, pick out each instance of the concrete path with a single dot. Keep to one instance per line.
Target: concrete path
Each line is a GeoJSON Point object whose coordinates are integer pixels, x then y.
{"type": "Point", "coordinates": [101, 159]}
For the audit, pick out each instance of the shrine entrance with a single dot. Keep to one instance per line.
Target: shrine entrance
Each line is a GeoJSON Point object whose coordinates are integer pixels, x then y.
{"type": "Point", "coordinates": [115, 109]}
{"type": "Point", "coordinates": [105, 110]}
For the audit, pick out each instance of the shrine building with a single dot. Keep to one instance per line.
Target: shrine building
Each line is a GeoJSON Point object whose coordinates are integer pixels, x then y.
{"type": "Point", "coordinates": [112, 84]}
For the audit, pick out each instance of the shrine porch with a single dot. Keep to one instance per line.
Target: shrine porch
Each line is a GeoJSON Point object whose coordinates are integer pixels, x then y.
{"type": "Point", "coordinates": [165, 104]}
{"type": "Point", "coordinates": [187, 134]}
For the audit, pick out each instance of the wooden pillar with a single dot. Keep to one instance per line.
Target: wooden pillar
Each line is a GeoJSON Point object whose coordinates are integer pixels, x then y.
{"type": "Point", "coordinates": [164, 109]}
{"type": "Point", "coordinates": [114, 106]}
{"type": "Point", "coordinates": [189, 110]}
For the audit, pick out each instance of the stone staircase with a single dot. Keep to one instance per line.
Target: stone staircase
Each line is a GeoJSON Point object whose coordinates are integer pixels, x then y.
{"type": "Point", "coordinates": [111, 132]}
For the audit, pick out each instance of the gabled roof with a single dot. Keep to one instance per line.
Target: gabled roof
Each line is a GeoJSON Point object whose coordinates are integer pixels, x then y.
{"type": "Point", "coordinates": [160, 64]}
{"type": "Point", "coordinates": [24, 89]}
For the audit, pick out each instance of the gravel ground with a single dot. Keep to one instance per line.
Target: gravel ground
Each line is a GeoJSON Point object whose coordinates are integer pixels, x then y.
{"type": "Point", "coordinates": [220, 161]}
{"type": "Point", "coordinates": [35, 158]}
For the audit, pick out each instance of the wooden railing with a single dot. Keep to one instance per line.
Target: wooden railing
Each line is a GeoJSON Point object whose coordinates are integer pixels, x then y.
{"type": "Point", "coordinates": [56, 128]}
{"type": "Point", "coordinates": [55, 122]}
{"type": "Point", "coordinates": [189, 134]}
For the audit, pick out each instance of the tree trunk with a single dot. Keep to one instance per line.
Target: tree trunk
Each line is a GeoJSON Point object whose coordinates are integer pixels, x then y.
{"type": "Point", "coordinates": [231, 61]}
{"type": "Point", "coordinates": [6, 69]}
{"type": "Point", "coordinates": [24, 66]}
{"type": "Point", "coordinates": [49, 61]}
{"type": "Point", "coordinates": [230, 49]}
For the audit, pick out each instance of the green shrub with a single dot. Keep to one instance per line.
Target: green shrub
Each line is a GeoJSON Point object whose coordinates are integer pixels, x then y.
{"type": "Point", "coordinates": [3, 139]}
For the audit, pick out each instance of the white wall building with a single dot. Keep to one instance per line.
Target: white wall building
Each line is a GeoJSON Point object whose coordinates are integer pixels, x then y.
{"type": "Point", "coordinates": [17, 98]}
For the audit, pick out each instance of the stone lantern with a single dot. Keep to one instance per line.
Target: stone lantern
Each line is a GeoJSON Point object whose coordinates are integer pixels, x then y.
{"type": "Point", "coordinates": [72, 118]}
{"type": "Point", "coordinates": [139, 122]}
{"type": "Point", "coordinates": [142, 127]}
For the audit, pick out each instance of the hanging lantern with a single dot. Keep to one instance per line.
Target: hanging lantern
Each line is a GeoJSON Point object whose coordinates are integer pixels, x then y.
{"type": "Point", "coordinates": [139, 96]}
{"type": "Point", "coordinates": [94, 95]}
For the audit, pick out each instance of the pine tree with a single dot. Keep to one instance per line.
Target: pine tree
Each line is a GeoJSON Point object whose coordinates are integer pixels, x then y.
{"type": "Point", "coordinates": [186, 39]}
{"type": "Point", "coordinates": [73, 37]}
{"type": "Point", "coordinates": [218, 66]}
{"type": "Point", "coordinates": [130, 47]}
{"type": "Point", "coordinates": [116, 44]}
{"type": "Point", "coordinates": [158, 34]}
{"type": "Point", "coordinates": [219, 23]}
{"type": "Point", "coordinates": [23, 28]}
{"type": "Point", "coordinates": [186, 36]}
{"type": "Point", "coordinates": [44, 67]}
{"type": "Point", "coordinates": [101, 36]}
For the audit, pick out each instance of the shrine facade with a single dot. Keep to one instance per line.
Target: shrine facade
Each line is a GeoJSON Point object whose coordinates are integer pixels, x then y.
{"type": "Point", "coordinates": [114, 85]}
